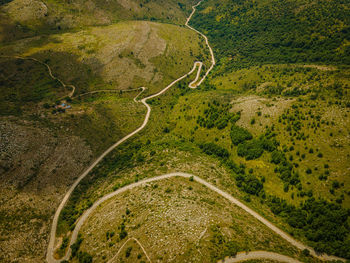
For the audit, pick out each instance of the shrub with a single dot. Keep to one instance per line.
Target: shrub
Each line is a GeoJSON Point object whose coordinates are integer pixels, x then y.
{"type": "Point", "coordinates": [239, 135]}
{"type": "Point", "coordinates": [128, 252]}
{"type": "Point", "coordinates": [277, 157]}
{"type": "Point", "coordinates": [46, 106]}
{"type": "Point", "coordinates": [305, 252]}
{"type": "Point", "coordinates": [214, 149]}
{"type": "Point", "coordinates": [268, 144]}
{"type": "Point", "coordinates": [335, 184]}
{"type": "Point", "coordinates": [75, 247]}
{"type": "Point", "coordinates": [249, 184]}
{"type": "Point", "coordinates": [84, 257]}
{"type": "Point", "coordinates": [250, 149]}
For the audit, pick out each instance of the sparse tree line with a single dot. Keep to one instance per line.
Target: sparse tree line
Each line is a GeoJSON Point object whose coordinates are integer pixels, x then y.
{"type": "Point", "coordinates": [323, 223]}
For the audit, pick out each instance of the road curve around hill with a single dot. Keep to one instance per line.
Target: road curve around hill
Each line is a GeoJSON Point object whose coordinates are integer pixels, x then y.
{"type": "Point", "coordinates": [50, 250]}
{"type": "Point", "coordinates": [51, 246]}
{"type": "Point", "coordinates": [230, 198]}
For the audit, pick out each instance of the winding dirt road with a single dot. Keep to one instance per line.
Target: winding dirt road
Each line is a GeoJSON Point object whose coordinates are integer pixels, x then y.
{"type": "Point", "coordinates": [50, 250]}
{"type": "Point", "coordinates": [230, 198]}
{"type": "Point", "coordinates": [195, 83]}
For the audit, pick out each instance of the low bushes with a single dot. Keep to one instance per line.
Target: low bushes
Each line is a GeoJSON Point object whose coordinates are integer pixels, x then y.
{"type": "Point", "coordinates": [324, 224]}
{"type": "Point", "coordinates": [239, 135]}
{"type": "Point", "coordinates": [214, 149]}
{"type": "Point", "coordinates": [250, 149]}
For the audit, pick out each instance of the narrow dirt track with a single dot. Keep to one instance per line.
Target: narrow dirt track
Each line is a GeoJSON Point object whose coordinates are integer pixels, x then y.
{"type": "Point", "coordinates": [70, 95]}
{"type": "Point", "coordinates": [120, 249]}
{"type": "Point", "coordinates": [230, 198]}
{"type": "Point", "coordinates": [194, 84]}
{"type": "Point", "coordinates": [50, 250]}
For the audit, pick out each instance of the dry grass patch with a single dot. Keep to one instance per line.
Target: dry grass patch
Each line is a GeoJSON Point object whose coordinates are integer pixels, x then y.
{"type": "Point", "coordinates": [175, 220]}
{"type": "Point", "coordinates": [264, 111]}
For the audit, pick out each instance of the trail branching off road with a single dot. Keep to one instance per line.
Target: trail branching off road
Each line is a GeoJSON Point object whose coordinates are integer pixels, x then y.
{"type": "Point", "coordinates": [70, 95]}
{"type": "Point", "coordinates": [230, 198]}
{"type": "Point", "coordinates": [50, 250]}
{"type": "Point", "coordinates": [120, 249]}
{"type": "Point", "coordinates": [195, 83]}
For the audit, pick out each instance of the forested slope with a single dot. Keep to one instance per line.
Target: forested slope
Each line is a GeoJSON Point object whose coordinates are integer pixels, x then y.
{"type": "Point", "coordinates": [271, 31]}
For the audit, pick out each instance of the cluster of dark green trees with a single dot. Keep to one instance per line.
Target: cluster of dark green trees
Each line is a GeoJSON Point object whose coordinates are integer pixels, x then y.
{"type": "Point", "coordinates": [247, 182]}
{"type": "Point", "coordinates": [324, 224]}
{"type": "Point", "coordinates": [217, 115]}
{"type": "Point", "coordinates": [82, 256]}
{"type": "Point", "coordinates": [255, 32]}
{"type": "Point", "coordinates": [214, 149]}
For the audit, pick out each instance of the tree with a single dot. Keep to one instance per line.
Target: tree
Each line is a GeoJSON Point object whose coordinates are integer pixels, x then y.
{"type": "Point", "coordinates": [250, 149]}
{"type": "Point", "coordinates": [239, 135]}
{"type": "Point", "coordinates": [305, 252]}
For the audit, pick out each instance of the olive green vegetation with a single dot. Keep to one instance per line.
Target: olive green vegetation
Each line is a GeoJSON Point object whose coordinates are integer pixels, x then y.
{"type": "Point", "coordinates": [200, 119]}
{"type": "Point", "coordinates": [110, 57]}
{"type": "Point", "coordinates": [25, 83]}
{"type": "Point", "coordinates": [292, 156]}
{"type": "Point", "coordinates": [99, 119]}
{"type": "Point", "coordinates": [29, 93]}
{"type": "Point", "coordinates": [245, 33]}
{"type": "Point", "coordinates": [67, 16]}
{"type": "Point", "coordinates": [288, 159]}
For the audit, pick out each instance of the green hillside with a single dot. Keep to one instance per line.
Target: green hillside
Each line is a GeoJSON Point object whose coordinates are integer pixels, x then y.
{"type": "Point", "coordinates": [24, 18]}
{"type": "Point", "coordinates": [270, 125]}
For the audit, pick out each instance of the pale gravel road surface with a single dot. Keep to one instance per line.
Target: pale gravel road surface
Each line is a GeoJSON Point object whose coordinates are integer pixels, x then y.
{"type": "Point", "coordinates": [193, 84]}
{"type": "Point", "coordinates": [230, 198]}
{"type": "Point", "coordinates": [50, 250]}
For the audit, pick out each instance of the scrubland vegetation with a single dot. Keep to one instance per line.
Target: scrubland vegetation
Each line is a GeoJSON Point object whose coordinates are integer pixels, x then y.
{"type": "Point", "coordinates": [270, 126]}
{"type": "Point", "coordinates": [21, 19]}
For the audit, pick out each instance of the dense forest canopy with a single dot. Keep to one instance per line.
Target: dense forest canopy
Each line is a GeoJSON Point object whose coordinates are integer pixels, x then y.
{"type": "Point", "coordinates": [249, 32]}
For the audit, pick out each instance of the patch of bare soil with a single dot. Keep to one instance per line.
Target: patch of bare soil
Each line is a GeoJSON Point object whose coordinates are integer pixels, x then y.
{"type": "Point", "coordinates": [321, 67]}
{"type": "Point", "coordinates": [132, 57]}
{"type": "Point", "coordinates": [36, 167]}
{"type": "Point", "coordinates": [263, 110]}
{"type": "Point", "coordinates": [127, 4]}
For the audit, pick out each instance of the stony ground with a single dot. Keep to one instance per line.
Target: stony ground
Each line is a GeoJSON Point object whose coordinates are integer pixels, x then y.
{"type": "Point", "coordinates": [35, 166]}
